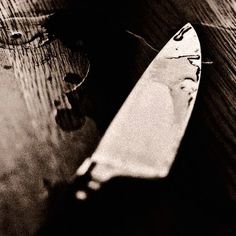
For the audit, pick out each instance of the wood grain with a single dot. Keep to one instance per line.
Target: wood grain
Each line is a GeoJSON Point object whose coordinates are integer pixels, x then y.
{"type": "Point", "coordinates": [38, 151]}
{"type": "Point", "coordinates": [45, 135]}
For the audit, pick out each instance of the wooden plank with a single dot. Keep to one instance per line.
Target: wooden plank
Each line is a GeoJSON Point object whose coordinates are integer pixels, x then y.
{"type": "Point", "coordinates": [44, 133]}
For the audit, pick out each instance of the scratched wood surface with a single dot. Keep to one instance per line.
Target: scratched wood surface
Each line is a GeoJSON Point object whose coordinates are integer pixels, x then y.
{"type": "Point", "coordinates": [63, 78]}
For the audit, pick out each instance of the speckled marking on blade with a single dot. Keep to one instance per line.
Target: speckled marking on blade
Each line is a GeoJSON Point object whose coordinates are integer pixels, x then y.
{"type": "Point", "coordinates": [143, 139]}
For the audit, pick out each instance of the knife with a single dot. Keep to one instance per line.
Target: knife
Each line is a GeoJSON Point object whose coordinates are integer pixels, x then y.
{"type": "Point", "coordinates": [143, 139]}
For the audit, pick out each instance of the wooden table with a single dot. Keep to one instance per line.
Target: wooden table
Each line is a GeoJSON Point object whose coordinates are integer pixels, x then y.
{"type": "Point", "coordinates": [40, 149]}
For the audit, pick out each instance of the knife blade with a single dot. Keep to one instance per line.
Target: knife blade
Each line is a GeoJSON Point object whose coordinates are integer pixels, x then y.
{"type": "Point", "coordinates": [143, 139]}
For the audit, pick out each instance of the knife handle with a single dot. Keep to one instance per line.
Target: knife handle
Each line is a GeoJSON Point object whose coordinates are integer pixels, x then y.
{"type": "Point", "coordinates": [91, 175]}
{"type": "Point", "coordinates": [84, 181]}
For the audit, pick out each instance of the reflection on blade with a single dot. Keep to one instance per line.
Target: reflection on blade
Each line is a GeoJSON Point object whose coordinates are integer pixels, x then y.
{"type": "Point", "coordinates": [143, 139]}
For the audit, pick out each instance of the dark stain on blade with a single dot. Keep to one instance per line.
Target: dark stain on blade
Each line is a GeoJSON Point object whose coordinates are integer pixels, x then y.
{"type": "Point", "coordinates": [180, 35]}
{"type": "Point", "coordinates": [198, 73]}
{"type": "Point", "coordinates": [188, 78]}
{"type": "Point", "coordinates": [190, 100]}
{"type": "Point", "coordinates": [190, 58]}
